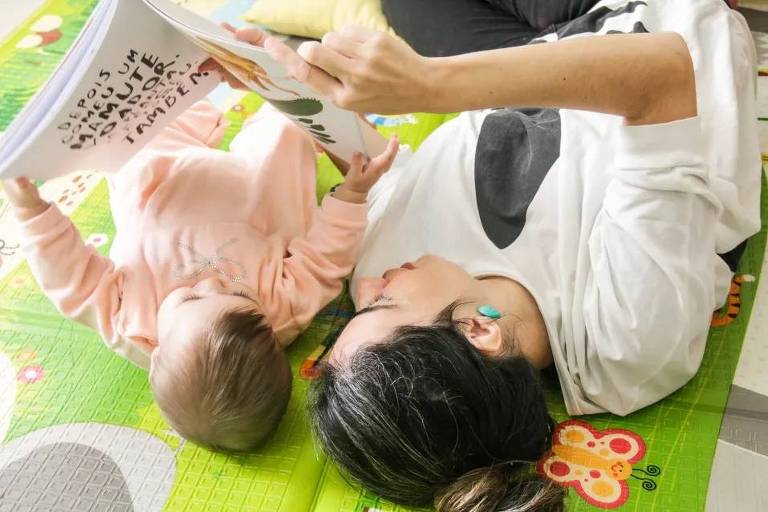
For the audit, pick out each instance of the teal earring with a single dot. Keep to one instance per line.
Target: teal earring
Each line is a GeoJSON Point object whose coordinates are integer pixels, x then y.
{"type": "Point", "coordinates": [489, 311]}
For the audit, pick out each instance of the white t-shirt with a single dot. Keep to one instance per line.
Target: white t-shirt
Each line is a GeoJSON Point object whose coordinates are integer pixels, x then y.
{"type": "Point", "coordinates": [614, 230]}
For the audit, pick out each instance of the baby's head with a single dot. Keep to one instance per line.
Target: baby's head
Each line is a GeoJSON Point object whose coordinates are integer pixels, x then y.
{"type": "Point", "coordinates": [218, 374]}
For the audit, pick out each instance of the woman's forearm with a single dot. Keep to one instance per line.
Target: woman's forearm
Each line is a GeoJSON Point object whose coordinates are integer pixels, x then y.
{"type": "Point", "coordinates": [647, 78]}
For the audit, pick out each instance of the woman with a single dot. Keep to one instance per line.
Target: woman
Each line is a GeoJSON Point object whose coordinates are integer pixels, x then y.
{"type": "Point", "coordinates": [587, 237]}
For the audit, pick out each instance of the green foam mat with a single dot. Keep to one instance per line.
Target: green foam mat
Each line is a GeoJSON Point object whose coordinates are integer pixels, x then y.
{"type": "Point", "coordinates": [25, 69]}
{"type": "Point", "coordinates": [79, 429]}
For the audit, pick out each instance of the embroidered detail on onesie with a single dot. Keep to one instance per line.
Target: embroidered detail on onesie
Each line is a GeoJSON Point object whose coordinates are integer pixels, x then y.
{"type": "Point", "coordinates": [8, 249]}
{"type": "Point", "coordinates": [201, 263]}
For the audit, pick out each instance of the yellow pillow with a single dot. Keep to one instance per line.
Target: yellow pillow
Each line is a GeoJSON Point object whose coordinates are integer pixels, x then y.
{"type": "Point", "coordinates": [313, 18]}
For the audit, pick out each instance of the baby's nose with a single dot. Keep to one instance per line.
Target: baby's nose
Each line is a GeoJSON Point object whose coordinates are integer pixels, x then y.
{"type": "Point", "coordinates": [210, 285]}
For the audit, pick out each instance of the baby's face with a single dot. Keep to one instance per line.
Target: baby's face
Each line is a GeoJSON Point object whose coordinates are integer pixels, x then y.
{"type": "Point", "coordinates": [187, 314]}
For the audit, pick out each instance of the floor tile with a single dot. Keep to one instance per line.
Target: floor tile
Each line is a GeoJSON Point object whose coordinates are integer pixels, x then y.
{"type": "Point", "coordinates": [752, 371]}
{"type": "Point", "coordinates": [746, 420]}
{"type": "Point", "coordinates": [738, 481]}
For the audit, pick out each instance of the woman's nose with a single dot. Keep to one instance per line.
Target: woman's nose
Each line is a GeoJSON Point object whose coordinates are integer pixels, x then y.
{"type": "Point", "coordinates": [368, 288]}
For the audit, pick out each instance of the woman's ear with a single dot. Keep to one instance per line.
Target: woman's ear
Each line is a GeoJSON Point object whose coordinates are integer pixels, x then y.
{"type": "Point", "coordinates": [485, 334]}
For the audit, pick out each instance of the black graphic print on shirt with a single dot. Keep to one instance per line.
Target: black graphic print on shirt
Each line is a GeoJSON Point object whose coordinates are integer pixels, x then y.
{"type": "Point", "coordinates": [515, 151]}
{"type": "Point", "coordinates": [517, 148]}
{"type": "Point", "coordinates": [593, 22]}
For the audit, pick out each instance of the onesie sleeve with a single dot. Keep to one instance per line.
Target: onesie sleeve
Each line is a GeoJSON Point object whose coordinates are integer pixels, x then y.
{"type": "Point", "coordinates": [316, 264]}
{"type": "Point", "coordinates": [80, 282]}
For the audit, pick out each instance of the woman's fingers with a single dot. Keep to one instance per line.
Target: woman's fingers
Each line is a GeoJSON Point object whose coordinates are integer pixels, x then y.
{"type": "Point", "coordinates": [357, 33]}
{"type": "Point", "coordinates": [302, 71]}
{"type": "Point", "coordinates": [364, 70]}
{"type": "Point", "coordinates": [251, 35]}
{"type": "Point", "coordinates": [342, 44]}
{"type": "Point", "coordinates": [318, 55]}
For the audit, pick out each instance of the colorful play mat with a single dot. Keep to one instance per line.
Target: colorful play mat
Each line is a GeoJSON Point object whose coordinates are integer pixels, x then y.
{"type": "Point", "coordinates": [79, 430]}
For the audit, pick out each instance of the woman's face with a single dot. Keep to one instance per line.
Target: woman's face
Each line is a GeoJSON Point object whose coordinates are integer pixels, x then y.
{"type": "Point", "coordinates": [413, 294]}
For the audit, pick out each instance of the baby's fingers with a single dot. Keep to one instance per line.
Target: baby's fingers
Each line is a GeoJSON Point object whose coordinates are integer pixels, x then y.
{"type": "Point", "coordinates": [210, 66]}
{"type": "Point", "coordinates": [17, 187]}
{"type": "Point", "coordinates": [21, 192]}
{"type": "Point", "coordinates": [383, 162]}
{"type": "Point", "coordinates": [356, 165]}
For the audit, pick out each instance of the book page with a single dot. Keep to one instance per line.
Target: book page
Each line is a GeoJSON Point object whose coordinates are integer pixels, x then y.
{"type": "Point", "coordinates": [129, 82]}
{"type": "Point", "coordinates": [336, 129]}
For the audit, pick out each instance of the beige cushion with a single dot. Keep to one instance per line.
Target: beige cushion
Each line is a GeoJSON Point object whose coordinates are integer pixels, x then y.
{"type": "Point", "coordinates": [313, 18]}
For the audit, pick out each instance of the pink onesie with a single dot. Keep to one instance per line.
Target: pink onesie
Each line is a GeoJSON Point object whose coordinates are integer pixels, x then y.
{"type": "Point", "coordinates": [186, 212]}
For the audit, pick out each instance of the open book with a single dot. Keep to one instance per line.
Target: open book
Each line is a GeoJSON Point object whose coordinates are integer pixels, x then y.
{"type": "Point", "coordinates": [132, 70]}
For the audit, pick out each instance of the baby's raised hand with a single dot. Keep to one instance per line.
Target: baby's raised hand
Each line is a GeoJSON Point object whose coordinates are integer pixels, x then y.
{"type": "Point", "coordinates": [362, 176]}
{"type": "Point", "coordinates": [24, 197]}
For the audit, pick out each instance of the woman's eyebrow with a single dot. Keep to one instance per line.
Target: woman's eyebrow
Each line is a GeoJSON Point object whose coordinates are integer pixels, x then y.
{"type": "Point", "coordinates": [371, 309]}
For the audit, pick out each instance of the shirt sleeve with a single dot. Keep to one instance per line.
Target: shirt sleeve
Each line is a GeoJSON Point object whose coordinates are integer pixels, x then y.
{"type": "Point", "coordinates": [80, 282]}
{"type": "Point", "coordinates": [650, 293]}
{"type": "Point", "coordinates": [315, 265]}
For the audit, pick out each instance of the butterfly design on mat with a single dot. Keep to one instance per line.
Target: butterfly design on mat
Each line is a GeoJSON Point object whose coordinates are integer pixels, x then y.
{"type": "Point", "coordinates": [597, 464]}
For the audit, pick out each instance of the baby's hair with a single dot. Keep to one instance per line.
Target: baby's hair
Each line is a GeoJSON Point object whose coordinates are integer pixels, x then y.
{"type": "Point", "coordinates": [232, 390]}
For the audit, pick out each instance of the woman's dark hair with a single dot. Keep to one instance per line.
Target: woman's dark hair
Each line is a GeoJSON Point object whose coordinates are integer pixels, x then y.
{"type": "Point", "coordinates": [426, 418]}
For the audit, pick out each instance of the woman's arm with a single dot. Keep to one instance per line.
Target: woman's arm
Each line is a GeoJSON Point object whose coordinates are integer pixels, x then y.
{"type": "Point", "coordinates": [646, 78]}
{"type": "Point", "coordinates": [650, 288]}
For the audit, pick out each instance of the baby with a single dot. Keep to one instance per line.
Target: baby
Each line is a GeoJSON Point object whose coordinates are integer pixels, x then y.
{"type": "Point", "coordinates": [220, 260]}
